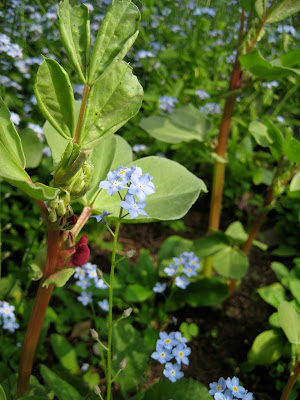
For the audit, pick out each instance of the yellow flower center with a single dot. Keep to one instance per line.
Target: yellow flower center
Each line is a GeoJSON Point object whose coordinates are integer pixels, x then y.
{"type": "Point", "coordinates": [235, 389]}
{"type": "Point", "coordinates": [168, 341]}
{"type": "Point", "coordinates": [180, 354]}
{"type": "Point", "coordinates": [179, 339]}
{"type": "Point", "coordinates": [219, 387]}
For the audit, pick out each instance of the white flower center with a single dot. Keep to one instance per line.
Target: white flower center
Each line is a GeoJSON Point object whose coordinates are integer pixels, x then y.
{"type": "Point", "coordinates": [162, 355]}
{"type": "Point", "coordinates": [173, 372]}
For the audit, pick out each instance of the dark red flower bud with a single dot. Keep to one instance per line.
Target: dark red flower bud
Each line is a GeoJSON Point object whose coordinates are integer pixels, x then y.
{"type": "Point", "coordinates": [82, 253]}
{"type": "Point", "coordinates": [71, 221]}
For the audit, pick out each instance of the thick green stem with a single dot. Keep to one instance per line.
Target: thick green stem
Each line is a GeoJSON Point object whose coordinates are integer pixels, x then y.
{"type": "Point", "coordinates": [291, 382]}
{"type": "Point", "coordinates": [110, 321]}
{"type": "Point", "coordinates": [37, 316]}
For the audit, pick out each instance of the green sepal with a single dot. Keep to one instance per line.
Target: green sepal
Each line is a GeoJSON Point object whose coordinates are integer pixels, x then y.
{"type": "Point", "coordinates": [59, 278]}
{"type": "Point", "coordinates": [116, 35]}
{"type": "Point", "coordinates": [113, 100]}
{"type": "Point", "coordinates": [55, 97]}
{"type": "Point", "coordinates": [9, 136]}
{"type": "Point", "coordinates": [275, 69]}
{"type": "Point", "coordinates": [74, 27]}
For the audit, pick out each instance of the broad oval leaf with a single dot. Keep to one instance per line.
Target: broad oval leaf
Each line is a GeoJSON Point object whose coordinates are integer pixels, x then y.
{"type": "Point", "coordinates": [74, 27]}
{"type": "Point", "coordinates": [62, 389]}
{"type": "Point", "coordinates": [55, 98]}
{"type": "Point", "coordinates": [113, 100]}
{"type": "Point", "coordinates": [275, 69]}
{"type": "Point", "coordinates": [177, 189]}
{"type": "Point", "coordinates": [9, 136]}
{"type": "Point", "coordinates": [260, 7]}
{"type": "Point", "coordinates": [273, 294]}
{"type": "Point", "coordinates": [116, 35]}
{"type": "Point", "coordinates": [290, 322]}
{"type": "Point", "coordinates": [182, 125]}
{"type": "Point", "coordinates": [59, 278]}
{"type": "Point", "coordinates": [230, 262]}
{"type": "Point", "coordinates": [283, 9]}
{"type": "Point", "coordinates": [267, 347]}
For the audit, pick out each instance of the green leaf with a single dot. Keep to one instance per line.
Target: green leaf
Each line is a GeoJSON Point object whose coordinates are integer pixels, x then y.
{"type": "Point", "coordinates": [62, 389]}
{"type": "Point", "coordinates": [107, 156]}
{"type": "Point", "coordinates": [295, 183]}
{"type": "Point", "coordinates": [9, 137]}
{"type": "Point", "coordinates": [137, 293]}
{"type": "Point", "coordinates": [273, 294]}
{"type": "Point", "coordinates": [277, 140]}
{"type": "Point", "coordinates": [292, 148]}
{"type": "Point", "coordinates": [59, 278]}
{"type": "Point", "coordinates": [2, 393]}
{"type": "Point", "coordinates": [283, 9]}
{"type": "Point", "coordinates": [33, 148]}
{"type": "Point", "coordinates": [290, 322]}
{"type": "Point", "coordinates": [173, 246]}
{"type": "Point", "coordinates": [274, 320]}
{"type": "Point", "coordinates": [14, 174]}
{"type": "Point", "coordinates": [230, 262]}
{"type": "Point", "coordinates": [113, 100]}
{"type": "Point", "coordinates": [294, 286]}
{"type": "Point", "coordinates": [205, 292]}
{"type": "Point", "coordinates": [128, 343]}
{"type": "Point", "coordinates": [267, 347]}
{"type": "Point", "coordinates": [176, 190]}
{"type": "Point", "coordinates": [275, 69]}
{"type": "Point", "coordinates": [55, 98]}
{"type": "Point", "coordinates": [64, 352]}
{"type": "Point", "coordinates": [183, 124]}
{"type": "Point", "coordinates": [260, 133]}
{"type": "Point", "coordinates": [260, 7]}
{"type": "Point", "coordinates": [74, 27]}
{"type": "Point", "coordinates": [182, 389]}
{"type": "Point", "coordinates": [116, 35]}
{"type": "Point", "coordinates": [35, 388]}
{"type": "Point", "coordinates": [279, 270]}
{"type": "Point", "coordinates": [237, 232]}
{"type": "Point", "coordinates": [210, 245]}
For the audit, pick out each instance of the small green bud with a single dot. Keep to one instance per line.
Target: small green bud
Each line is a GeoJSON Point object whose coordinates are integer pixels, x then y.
{"type": "Point", "coordinates": [52, 216]}
{"type": "Point", "coordinates": [123, 363]}
{"type": "Point", "coordinates": [97, 390]}
{"type": "Point", "coordinates": [129, 253]}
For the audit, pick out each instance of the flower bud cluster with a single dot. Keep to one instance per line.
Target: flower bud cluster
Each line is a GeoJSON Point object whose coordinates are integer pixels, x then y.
{"type": "Point", "coordinates": [186, 265]}
{"type": "Point", "coordinates": [169, 347]}
{"type": "Point", "coordinates": [60, 211]}
{"type": "Point", "coordinates": [7, 317]}
{"type": "Point", "coordinates": [229, 389]}
{"type": "Point", "coordinates": [86, 276]}
{"type": "Point", "coordinates": [80, 183]}
{"type": "Point", "coordinates": [136, 183]}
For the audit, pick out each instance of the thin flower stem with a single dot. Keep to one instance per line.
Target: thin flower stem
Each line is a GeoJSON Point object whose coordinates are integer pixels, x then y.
{"type": "Point", "coordinates": [110, 319]}
{"type": "Point", "coordinates": [99, 342]}
{"type": "Point", "coordinates": [110, 230]}
{"type": "Point", "coordinates": [117, 374]}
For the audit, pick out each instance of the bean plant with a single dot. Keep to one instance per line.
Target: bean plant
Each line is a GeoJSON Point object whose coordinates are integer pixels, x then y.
{"type": "Point", "coordinates": [93, 178]}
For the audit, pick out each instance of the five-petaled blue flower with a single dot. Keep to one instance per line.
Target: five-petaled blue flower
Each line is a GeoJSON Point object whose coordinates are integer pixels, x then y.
{"type": "Point", "coordinates": [162, 354]}
{"type": "Point", "coordinates": [85, 298]}
{"type": "Point", "coordinates": [181, 282]}
{"type": "Point", "coordinates": [141, 186]}
{"type": "Point", "coordinates": [101, 217]}
{"type": "Point", "coordinates": [104, 305]}
{"type": "Point", "coordinates": [223, 396]}
{"type": "Point", "coordinates": [172, 372]}
{"type": "Point", "coordinates": [236, 390]}
{"type": "Point", "coordinates": [219, 386]}
{"type": "Point", "coordinates": [159, 287]}
{"type": "Point", "coordinates": [181, 352]}
{"type": "Point", "coordinates": [167, 341]}
{"type": "Point", "coordinates": [113, 184]}
{"type": "Point", "coordinates": [134, 208]}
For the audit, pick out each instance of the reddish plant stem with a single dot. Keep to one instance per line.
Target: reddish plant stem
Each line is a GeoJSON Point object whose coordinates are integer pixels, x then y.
{"type": "Point", "coordinates": [38, 313]}
{"type": "Point", "coordinates": [85, 215]}
{"type": "Point", "coordinates": [291, 382]}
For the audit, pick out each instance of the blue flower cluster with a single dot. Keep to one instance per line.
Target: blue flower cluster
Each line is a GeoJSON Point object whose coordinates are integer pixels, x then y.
{"type": "Point", "coordinates": [229, 389]}
{"type": "Point", "coordinates": [86, 276]}
{"type": "Point", "coordinates": [167, 103]}
{"type": "Point", "coordinates": [188, 263]}
{"type": "Point", "coordinates": [7, 317]}
{"type": "Point", "coordinates": [136, 183]}
{"type": "Point", "coordinates": [171, 346]}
